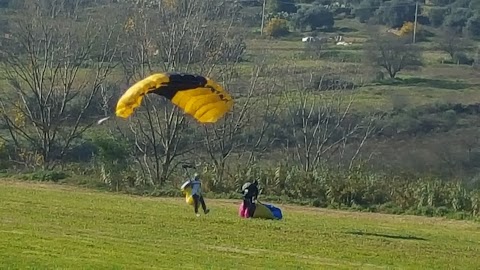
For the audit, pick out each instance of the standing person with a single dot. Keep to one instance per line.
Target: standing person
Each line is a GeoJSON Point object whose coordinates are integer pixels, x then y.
{"type": "Point", "coordinates": [197, 196]}
{"type": "Point", "coordinates": [250, 196]}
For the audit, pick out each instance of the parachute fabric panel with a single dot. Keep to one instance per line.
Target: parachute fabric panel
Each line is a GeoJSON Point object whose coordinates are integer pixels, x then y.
{"type": "Point", "coordinates": [276, 212]}
{"type": "Point", "coordinates": [205, 100]}
{"type": "Point", "coordinates": [261, 211]}
{"type": "Point", "coordinates": [189, 197]}
{"type": "Point", "coordinates": [132, 98]}
{"type": "Point", "coordinates": [187, 190]}
{"type": "Point", "coordinates": [198, 96]}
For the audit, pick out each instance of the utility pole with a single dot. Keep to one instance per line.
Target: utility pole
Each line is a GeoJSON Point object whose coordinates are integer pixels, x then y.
{"type": "Point", "coordinates": [263, 17]}
{"type": "Point", "coordinates": [415, 24]}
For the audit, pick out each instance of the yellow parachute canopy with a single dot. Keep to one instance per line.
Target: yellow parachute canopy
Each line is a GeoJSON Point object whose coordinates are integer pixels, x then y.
{"type": "Point", "coordinates": [196, 95]}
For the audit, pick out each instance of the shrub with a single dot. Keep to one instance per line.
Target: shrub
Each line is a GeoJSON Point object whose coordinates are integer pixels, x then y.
{"type": "Point", "coordinates": [46, 175]}
{"type": "Point", "coordinates": [437, 16]}
{"type": "Point", "coordinates": [462, 58]}
{"type": "Point", "coordinates": [277, 27]}
{"type": "Point", "coordinates": [473, 26]}
{"type": "Point", "coordinates": [407, 28]}
{"type": "Point", "coordinates": [328, 83]}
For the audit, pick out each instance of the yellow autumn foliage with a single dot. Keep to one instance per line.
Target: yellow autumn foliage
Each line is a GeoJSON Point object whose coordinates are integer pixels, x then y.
{"type": "Point", "coordinates": [277, 27]}
{"type": "Point", "coordinates": [129, 25]}
{"type": "Point", "coordinates": [19, 116]}
{"type": "Point", "coordinates": [170, 3]}
{"type": "Point", "coordinates": [407, 28]}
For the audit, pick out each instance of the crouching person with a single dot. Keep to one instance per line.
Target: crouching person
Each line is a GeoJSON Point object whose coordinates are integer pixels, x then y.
{"type": "Point", "coordinates": [250, 196]}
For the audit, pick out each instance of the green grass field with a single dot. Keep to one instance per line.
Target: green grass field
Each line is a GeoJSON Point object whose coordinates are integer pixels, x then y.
{"type": "Point", "coordinates": [45, 226]}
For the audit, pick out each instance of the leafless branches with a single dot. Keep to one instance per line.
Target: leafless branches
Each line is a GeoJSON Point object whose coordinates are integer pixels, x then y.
{"type": "Point", "coordinates": [321, 125]}
{"type": "Point", "coordinates": [170, 39]}
{"type": "Point", "coordinates": [392, 53]}
{"type": "Point", "coordinates": [52, 90]}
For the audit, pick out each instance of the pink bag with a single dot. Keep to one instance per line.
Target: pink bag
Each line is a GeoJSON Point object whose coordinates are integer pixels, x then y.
{"type": "Point", "coordinates": [243, 211]}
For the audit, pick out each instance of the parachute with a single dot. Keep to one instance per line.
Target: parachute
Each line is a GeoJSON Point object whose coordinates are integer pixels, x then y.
{"type": "Point", "coordinates": [198, 96]}
{"type": "Point", "coordinates": [187, 190]}
{"type": "Point", "coordinates": [262, 210]}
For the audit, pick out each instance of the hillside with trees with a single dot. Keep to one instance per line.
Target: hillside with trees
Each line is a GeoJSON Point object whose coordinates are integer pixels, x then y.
{"type": "Point", "coordinates": [368, 104]}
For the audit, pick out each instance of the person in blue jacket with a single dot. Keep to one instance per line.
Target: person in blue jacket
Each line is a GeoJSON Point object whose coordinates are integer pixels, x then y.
{"type": "Point", "coordinates": [197, 195]}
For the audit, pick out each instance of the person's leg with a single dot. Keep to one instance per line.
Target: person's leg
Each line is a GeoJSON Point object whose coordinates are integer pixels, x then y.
{"type": "Point", "coordinates": [195, 203]}
{"type": "Point", "coordinates": [246, 203]}
{"type": "Point", "coordinates": [204, 206]}
{"type": "Point", "coordinates": [245, 208]}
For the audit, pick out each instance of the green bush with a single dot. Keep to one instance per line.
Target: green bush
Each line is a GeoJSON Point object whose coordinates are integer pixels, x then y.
{"type": "Point", "coordinates": [45, 175]}
{"type": "Point", "coordinates": [462, 58]}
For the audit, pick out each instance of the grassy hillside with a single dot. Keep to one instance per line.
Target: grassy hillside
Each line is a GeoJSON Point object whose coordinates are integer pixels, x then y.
{"type": "Point", "coordinates": [407, 145]}
{"type": "Point", "coordinates": [49, 226]}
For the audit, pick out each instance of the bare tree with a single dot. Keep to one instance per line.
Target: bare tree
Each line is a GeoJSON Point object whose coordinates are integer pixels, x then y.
{"type": "Point", "coordinates": [52, 92]}
{"type": "Point", "coordinates": [265, 113]}
{"type": "Point", "coordinates": [315, 48]}
{"type": "Point", "coordinates": [392, 53]}
{"type": "Point", "coordinates": [172, 39]}
{"type": "Point", "coordinates": [52, 8]}
{"type": "Point", "coordinates": [225, 137]}
{"type": "Point", "coordinates": [451, 42]}
{"type": "Point", "coordinates": [321, 126]}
